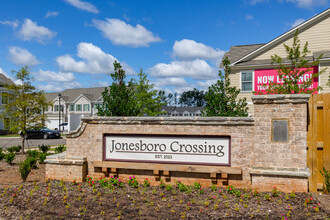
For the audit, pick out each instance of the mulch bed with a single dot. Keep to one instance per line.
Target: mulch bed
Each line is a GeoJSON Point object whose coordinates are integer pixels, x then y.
{"type": "Point", "coordinates": [54, 199]}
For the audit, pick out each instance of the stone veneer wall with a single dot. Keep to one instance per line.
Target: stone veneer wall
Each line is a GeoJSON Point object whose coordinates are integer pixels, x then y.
{"type": "Point", "coordinates": [264, 164]}
{"type": "Point", "coordinates": [88, 141]}
{"type": "Point", "coordinates": [280, 164]}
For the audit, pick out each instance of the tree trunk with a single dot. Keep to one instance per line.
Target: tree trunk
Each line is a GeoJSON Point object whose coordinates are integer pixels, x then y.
{"type": "Point", "coordinates": [23, 141]}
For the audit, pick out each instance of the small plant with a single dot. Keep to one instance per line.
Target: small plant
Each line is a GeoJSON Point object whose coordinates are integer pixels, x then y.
{"type": "Point", "coordinates": [214, 188]}
{"type": "Point", "coordinates": [42, 158]}
{"type": "Point", "coordinates": [33, 162]}
{"type": "Point", "coordinates": [44, 148]}
{"type": "Point", "coordinates": [162, 184]}
{"type": "Point", "coordinates": [14, 149]}
{"type": "Point", "coordinates": [133, 182]}
{"type": "Point", "coordinates": [181, 186]}
{"type": "Point", "coordinates": [114, 181]}
{"type": "Point", "coordinates": [267, 197]}
{"type": "Point", "coordinates": [146, 183]}
{"type": "Point", "coordinates": [9, 157]}
{"type": "Point", "coordinates": [292, 195]}
{"type": "Point", "coordinates": [326, 177]}
{"type": "Point", "coordinates": [256, 193]}
{"type": "Point", "coordinates": [61, 148]}
{"type": "Point", "coordinates": [32, 153]}
{"type": "Point", "coordinates": [168, 187]}
{"type": "Point", "coordinates": [24, 169]}
{"type": "Point", "coordinates": [197, 185]}
{"type": "Point", "coordinates": [275, 192]}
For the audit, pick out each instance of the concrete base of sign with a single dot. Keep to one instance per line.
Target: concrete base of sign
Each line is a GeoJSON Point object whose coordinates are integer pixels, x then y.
{"type": "Point", "coordinates": [256, 161]}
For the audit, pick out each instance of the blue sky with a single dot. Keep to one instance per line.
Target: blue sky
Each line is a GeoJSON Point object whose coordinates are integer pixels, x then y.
{"type": "Point", "coordinates": [179, 43]}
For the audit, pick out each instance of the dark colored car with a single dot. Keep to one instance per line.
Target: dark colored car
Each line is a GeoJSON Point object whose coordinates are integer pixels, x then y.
{"type": "Point", "coordinates": [44, 133]}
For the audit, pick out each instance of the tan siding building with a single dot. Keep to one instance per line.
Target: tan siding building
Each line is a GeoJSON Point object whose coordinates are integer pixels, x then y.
{"type": "Point", "coordinates": [246, 60]}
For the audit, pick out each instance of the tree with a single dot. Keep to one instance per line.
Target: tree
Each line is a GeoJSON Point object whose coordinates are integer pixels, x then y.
{"type": "Point", "coordinates": [221, 98]}
{"type": "Point", "coordinates": [119, 99]}
{"type": "Point", "coordinates": [192, 98]}
{"type": "Point", "coordinates": [291, 76]}
{"type": "Point", "coordinates": [148, 101]}
{"type": "Point", "coordinates": [25, 104]}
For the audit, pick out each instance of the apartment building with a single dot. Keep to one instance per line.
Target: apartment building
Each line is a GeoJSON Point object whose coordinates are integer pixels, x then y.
{"type": "Point", "coordinates": [252, 66]}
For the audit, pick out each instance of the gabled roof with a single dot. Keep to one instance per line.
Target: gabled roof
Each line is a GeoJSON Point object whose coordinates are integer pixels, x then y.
{"type": "Point", "coordinates": [69, 95]}
{"type": "Point", "coordinates": [286, 35]}
{"type": "Point", "coordinates": [236, 52]}
{"type": "Point", "coordinates": [5, 80]}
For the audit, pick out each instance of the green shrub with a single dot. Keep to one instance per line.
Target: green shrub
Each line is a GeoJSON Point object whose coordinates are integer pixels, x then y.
{"type": "Point", "coordinates": [32, 153]}
{"type": "Point", "coordinates": [44, 148]}
{"type": "Point", "coordinates": [14, 149]}
{"type": "Point", "coordinates": [32, 161]}
{"type": "Point", "coordinates": [24, 169]}
{"type": "Point", "coordinates": [60, 149]}
{"type": "Point", "coordinates": [9, 157]}
{"type": "Point", "coordinates": [133, 182]}
{"type": "Point", "coordinates": [42, 157]}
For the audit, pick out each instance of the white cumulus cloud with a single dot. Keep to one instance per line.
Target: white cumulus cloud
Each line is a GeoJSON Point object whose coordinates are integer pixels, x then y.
{"type": "Point", "coordinates": [32, 31]}
{"type": "Point", "coordinates": [50, 76]}
{"type": "Point", "coordinates": [196, 69]}
{"type": "Point", "coordinates": [297, 22]}
{"type": "Point", "coordinates": [206, 84]}
{"type": "Point", "coordinates": [121, 33]}
{"type": "Point", "coordinates": [85, 6]}
{"type": "Point", "coordinates": [22, 57]}
{"type": "Point", "coordinates": [59, 86]}
{"type": "Point", "coordinates": [171, 81]}
{"type": "Point", "coordinates": [92, 60]}
{"type": "Point", "coordinates": [190, 50]}
{"type": "Point", "coordinates": [308, 3]}
{"type": "Point", "coordinates": [51, 14]}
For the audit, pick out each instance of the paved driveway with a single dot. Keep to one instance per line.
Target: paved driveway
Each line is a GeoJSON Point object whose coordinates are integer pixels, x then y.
{"type": "Point", "coordinates": [9, 142]}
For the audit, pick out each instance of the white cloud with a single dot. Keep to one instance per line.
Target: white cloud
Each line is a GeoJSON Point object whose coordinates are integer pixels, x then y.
{"type": "Point", "coordinates": [197, 69]}
{"type": "Point", "coordinates": [85, 6]}
{"type": "Point", "coordinates": [253, 2]}
{"type": "Point", "coordinates": [51, 14]}
{"type": "Point", "coordinates": [206, 84]}
{"type": "Point", "coordinates": [171, 81]}
{"type": "Point", "coordinates": [22, 57]}
{"type": "Point", "coordinates": [99, 84]}
{"type": "Point", "coordinates": [297, 22]}
{"type": "Point", "coordinates": [13, 24]}
{"type": "Point", "coordinates": [50, 76]}
{"type": "Point", "coordinates": [121, 33]}
{"type": "Point", "coordinates": [190, 50]}
{"type": "Point", "coordinates": [56, 86]}
{"type": "Point", "coordinates": [308, 3]}
{"type": "Point", "coordinates": [31, 31]}
{"type": "Point", "coordinates": [248, 17]}
{"type": "Point", "coordinates": [93, 60]}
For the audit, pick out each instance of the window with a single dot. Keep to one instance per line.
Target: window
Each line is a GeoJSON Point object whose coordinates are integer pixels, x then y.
{"type": "Point", "coordinates": [56, 108]}
{"type": "Point", "coordinates": [78, 108]}
{"type": "Point", "coordinates": [86, 107]}
{"type": "Point", "coordinates": [71, 107]}
{"type": "Point", "coordinates": [4, 98]}
{"type": "Point", "coordinates": [246, 81]}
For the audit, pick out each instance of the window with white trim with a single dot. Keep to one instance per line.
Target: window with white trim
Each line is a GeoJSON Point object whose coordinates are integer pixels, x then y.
{"type": "Point", "coordinates": [78, 107]}
{"type": "Point", "coordinates": [246, 81]}
{"type": "Point", "coordinates": [86, 107]}
{"type": "Point", "coordinates": [71, 107]}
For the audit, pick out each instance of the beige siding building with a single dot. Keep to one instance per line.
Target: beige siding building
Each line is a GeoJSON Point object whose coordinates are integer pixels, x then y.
{"type": "Point", "coordinates": [247, 61]}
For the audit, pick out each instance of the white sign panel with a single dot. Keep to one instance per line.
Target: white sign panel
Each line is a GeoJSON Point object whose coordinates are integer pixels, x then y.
{"type": "Point", "coordinates": [168, 149]}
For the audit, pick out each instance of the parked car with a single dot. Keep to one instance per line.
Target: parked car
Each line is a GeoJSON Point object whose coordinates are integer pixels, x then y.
{"type": "Point", "coordinates": [44, 133]}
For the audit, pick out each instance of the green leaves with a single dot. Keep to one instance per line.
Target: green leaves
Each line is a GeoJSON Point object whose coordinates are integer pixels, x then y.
{"type": "Point", "coordinates": [292, 69]}
{"type": "Point", "coordinates": [135, 98]}
{"type": "Point", "coordinates": [221, 98]}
